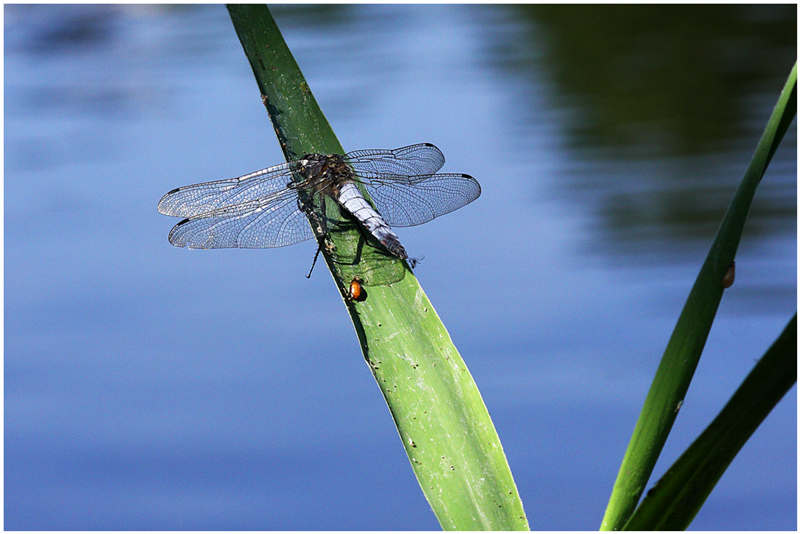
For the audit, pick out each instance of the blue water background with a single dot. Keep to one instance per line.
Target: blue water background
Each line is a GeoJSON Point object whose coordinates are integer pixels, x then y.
{"type": "Point", "coordinates": [150, 387]}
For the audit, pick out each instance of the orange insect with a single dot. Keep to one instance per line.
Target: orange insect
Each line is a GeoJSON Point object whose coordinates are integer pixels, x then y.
{"type": "Point", "coordinates": [356, 290]}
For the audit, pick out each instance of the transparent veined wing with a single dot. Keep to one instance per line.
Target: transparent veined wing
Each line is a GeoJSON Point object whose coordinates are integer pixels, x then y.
{"type": "Point", "coordinates": [413, 160]}
{"type": "Point", "coordinates": [271, 221]}
{"type": "Point", "coordinates": [261, 209]}
{"type": "Point", "coordinates": [197, 199]}
{"type": "Point", "coordinates": [411, 200]}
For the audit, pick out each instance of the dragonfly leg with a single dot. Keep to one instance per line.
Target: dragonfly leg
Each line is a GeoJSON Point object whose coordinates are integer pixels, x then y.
{"type": "Point", "coordinates": [319, 249]}
{"type": "Point", "coordinates": [318, 225]}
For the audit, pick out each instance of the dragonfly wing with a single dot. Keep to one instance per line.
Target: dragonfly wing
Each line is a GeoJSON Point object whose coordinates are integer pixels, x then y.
{"type": "Point", "coordinates": [194, 200]}
{"type": "Point", "coordinates": [413, 160]}
{"type": "Point", "coordinates": [411, 200]}
{"type": "Point", "coordinates": [272, 221]}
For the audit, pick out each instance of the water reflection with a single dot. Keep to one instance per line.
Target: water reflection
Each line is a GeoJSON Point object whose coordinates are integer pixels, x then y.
{"type": "Point", "coordinates": [664, 106]}
{"type": "Point", "coordinates": [659, 81]}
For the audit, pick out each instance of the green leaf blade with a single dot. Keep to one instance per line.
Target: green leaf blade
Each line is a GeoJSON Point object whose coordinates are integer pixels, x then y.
{"type": "Point", "coordinates": [442, 420]}
{"type": "Point", "coordinates": [683, 351]}
{"type": "Point", "coordinates": [676, 499]}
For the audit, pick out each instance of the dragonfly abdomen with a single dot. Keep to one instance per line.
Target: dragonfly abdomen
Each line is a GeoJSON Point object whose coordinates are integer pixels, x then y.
{"type": "Point", "coordinates": [353, 201]}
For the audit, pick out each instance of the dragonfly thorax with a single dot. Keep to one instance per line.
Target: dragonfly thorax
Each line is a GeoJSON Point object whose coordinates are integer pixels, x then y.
{"type": "Point", "coordinates": [325, 173]}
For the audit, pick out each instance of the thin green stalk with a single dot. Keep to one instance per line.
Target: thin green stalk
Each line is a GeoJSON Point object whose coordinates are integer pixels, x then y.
{"type": "Point", "coordinates": [691, 331]}
{"type": "Point", "coordinates": [441, 418]}
{"type": "Point", "coordinates": [675, 500]}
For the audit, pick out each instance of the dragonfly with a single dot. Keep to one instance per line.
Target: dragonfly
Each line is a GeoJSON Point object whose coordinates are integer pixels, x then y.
{"type": "Point", "coordinates": [277, 206]}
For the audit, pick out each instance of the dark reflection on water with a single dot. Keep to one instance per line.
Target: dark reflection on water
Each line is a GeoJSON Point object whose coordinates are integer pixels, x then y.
{"type": "Point", "coordinates": [665, 105]}
{"type": "Point", "coordinates": [658, 81]}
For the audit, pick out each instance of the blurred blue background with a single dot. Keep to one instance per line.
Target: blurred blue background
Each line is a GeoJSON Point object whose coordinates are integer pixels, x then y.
{"type": "Point", "coordinates": [150, 387]}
